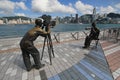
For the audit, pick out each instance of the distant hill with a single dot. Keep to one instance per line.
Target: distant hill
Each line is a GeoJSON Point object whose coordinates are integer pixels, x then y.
{"type": "Point", "coordinates": [17, 17]}
{"type": "Point", "coordinates": [113, 15]}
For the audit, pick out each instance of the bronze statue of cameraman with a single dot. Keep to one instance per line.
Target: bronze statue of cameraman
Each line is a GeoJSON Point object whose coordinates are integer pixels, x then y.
{"type": "Point", "coordinates": [27, 45]}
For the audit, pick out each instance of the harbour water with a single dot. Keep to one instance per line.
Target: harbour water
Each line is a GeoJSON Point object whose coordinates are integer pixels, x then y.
{"type": "Point", "coordinates": [7, 31]}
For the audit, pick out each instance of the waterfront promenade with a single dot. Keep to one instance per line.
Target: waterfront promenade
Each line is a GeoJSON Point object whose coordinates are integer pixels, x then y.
{"type": "Point", "coordinates": [71, 62]}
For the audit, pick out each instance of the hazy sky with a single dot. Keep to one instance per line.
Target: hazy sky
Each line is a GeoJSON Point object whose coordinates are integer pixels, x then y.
{"type": "Point", "coordinates": [35, 8]}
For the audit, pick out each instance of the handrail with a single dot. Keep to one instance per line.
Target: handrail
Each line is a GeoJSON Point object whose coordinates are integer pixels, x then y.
{"type": "Point", "coordinates": [111, 34]}
{"type": "Point", "coordinates": [105, 34]}
{"type": "Point", "coordinates": [73, 35]}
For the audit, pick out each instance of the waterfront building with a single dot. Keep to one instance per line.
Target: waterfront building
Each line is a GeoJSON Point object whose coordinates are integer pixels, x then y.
{"type": "Point", "coordinates": [1, 22]}
{"type": "Point", "coordinates": [26, 21]}
{"type": "Point", "coordinates": [32, 21]}
{"type": "Point", "coordinates": [94, 15]}
{"type": "Point", "coordinates": [86, 18]}
{"type": "Point", "coordinates": [116, 20]}
{"type": "Point", "coordinates": [19, 21]}
{"type": "Point", "coordinates": [6, 21]}
{"type": "Point", "coordinates": [57, 19]}
{"type": "Point", "coordinates": [12, 21]}
{"type": "Point", "coordinates": [76, 18]}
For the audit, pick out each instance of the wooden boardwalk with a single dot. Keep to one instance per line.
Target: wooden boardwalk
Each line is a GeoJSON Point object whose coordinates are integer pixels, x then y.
{"type": "Point", "coordinates": [71, 62]}
{"type": "Point", "coordinates": [112, 53]}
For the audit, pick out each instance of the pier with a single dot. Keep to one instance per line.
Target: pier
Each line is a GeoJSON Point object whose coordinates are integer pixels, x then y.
{"type": "Point", "coordinates": [71, 62]}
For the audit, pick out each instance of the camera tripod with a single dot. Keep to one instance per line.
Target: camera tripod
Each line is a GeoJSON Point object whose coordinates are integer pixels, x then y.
{"type": "Point", "coordinates": [49, 46]}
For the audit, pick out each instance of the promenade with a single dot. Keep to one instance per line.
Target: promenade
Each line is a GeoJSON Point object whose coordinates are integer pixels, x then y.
{"type": "Point", "coordinates": [71, 62]}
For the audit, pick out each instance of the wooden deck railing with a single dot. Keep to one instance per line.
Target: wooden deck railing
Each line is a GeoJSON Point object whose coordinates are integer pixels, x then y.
{"type": "Point", "coordinates": [111, 34]}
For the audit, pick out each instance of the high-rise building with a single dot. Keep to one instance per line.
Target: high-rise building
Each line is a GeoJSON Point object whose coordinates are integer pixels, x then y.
{"type": "Point", "coordinates": [6, 21]}
{"type": "Point", "coordinates": [57, 20]}
{"type": "Point", "coordinates": [76, 18]}
{"type": "Point", "coordinates": [94, 15]}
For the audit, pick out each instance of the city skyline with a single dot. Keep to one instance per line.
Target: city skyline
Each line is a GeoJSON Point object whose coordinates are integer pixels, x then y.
{"type": "Point", "coordinates": [35, 8]}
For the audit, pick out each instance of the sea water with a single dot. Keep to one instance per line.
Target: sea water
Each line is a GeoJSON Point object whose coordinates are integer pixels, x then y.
{"type": "Point", "coordinates": [18, 30]}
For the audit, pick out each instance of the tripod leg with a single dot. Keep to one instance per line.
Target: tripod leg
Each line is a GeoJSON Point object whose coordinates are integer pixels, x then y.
{"type": "Point", "coordinates": [43, 48]}
{"type": "Point", "coordinates": [51, 45]}
{"type": "Point", "coordinates": [49, 51]}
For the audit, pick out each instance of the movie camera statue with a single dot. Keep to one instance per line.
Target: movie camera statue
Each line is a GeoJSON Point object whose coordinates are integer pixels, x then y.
{"type": "Point", "coordinates": [47, 23]}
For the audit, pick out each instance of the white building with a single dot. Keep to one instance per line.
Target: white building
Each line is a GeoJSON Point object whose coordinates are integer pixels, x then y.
{"type": "Point", "coordinates": [12, 21]}
{"type": "Point", "coordinates": [19, 21]}
{"type": "Point", "coordinates": [1, 22]}
{"type": "Point", "coordinates": [26, 21]}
